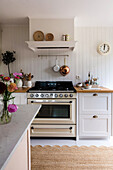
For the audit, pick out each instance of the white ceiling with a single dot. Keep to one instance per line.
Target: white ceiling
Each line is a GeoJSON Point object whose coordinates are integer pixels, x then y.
{"type": "Point", "coordinates": [87, 12]}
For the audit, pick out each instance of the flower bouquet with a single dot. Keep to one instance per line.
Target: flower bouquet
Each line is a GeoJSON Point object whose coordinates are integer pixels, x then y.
{"type": "Point", "coordinates": [6, 90]}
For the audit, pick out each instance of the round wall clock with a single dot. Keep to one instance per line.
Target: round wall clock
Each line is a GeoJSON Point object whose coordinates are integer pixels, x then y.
{"type": "Point", "coordinates": [103, 49]}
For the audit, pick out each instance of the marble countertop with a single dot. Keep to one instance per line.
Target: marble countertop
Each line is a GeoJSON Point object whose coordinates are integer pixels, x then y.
{"type": "Point", "coordinates": [12, 133]}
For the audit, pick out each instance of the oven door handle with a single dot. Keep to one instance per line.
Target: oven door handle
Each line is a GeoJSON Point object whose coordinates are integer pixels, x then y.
{"type": "Point", "coordinates": [50, 101]}
{"type": "Point", "coordinates": [70, 128]}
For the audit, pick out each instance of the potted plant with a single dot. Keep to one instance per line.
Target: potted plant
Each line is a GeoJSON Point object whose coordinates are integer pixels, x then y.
{"type": "Point", "coordinates": [8, 57]}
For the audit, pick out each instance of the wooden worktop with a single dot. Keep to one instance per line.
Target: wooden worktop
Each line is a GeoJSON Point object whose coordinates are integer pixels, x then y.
{"type": "Point", "coordinates": [102, 90]}
{"type": "Point", "coordinates": [22, 90]}
{"type": "Point", "coordinates": [78, 89]}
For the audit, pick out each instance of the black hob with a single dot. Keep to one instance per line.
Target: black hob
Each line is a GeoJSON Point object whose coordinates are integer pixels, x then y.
{"type": "Point", "coordinates": [54, 86]}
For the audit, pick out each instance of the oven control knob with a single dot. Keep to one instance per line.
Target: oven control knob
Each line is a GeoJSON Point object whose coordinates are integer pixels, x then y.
{"type": "Point", "coordinates": [36, 95]}
{"type": "Point", "coordinates": [51, 94]}
{"type": "Point", "coordinates": [66, 95]}
{"type": "Point", "coordinates": [42, 95]}
{"type": "Point", "coordinates": [46, 95]}
{"type": "Point", "coordinates": [60, 95]}
{"type": "Point", "coordinates": [31, 95]}
{"type": "Point", "coordinates": [71, 95]}
{"type": "Point", "coordinates": [56, 95]}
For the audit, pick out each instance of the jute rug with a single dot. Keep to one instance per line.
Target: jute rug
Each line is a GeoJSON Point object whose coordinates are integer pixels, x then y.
{"type": "Point", "coordinates": [71, 158]}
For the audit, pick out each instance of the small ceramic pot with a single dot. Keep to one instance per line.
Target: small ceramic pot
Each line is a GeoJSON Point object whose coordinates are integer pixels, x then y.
{"type": "Point", "coordinates": [19, 83]}
{"type": "Point", "coordinates": [29, 84]}
{"type": "Point", "coordinates": [11, 80]}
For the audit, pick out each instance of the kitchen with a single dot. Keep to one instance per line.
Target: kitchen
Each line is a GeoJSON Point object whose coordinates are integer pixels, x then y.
{"type": "Point", "coordinates": [84, 58]}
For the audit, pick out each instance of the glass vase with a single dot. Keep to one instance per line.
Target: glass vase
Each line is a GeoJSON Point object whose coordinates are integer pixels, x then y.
{"type": "Point", "coordinates": [5, 115]}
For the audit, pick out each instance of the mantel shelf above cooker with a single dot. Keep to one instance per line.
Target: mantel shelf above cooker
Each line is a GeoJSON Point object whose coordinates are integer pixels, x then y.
{"type": "Point", "coordinates": [51, 47]}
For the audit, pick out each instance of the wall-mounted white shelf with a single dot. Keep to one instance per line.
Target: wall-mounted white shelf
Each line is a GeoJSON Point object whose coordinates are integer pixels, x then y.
{"type": "Point", "coordinates": [51, 47]}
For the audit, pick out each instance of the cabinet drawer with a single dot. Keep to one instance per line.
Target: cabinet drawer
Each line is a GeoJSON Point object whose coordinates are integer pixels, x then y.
{"type": "Point", "coordinates": [53, 130]}
{"type": "Point", "coordinates": [94, 103]}
{"type": "Point", "coordinates": [95, 125]}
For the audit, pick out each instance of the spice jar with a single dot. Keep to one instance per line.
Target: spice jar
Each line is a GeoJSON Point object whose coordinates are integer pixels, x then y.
{"type": "Point", "coordinates": [66, 37]}
{"type": "Point", "coordinates": [63, 37]}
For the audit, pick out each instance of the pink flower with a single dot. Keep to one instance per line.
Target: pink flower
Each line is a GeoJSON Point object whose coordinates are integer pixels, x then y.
{"type": "Point", "coordinates": [17, 74]}
{"type": "Point", "coordinates": [1, 75]}
{"type": "Point", "coordinates": [20, 74]}
{"type": "Point", "coordinates": [17, 77]}
{"type": "Point", "coordinates": [6, 78]}
{"type": "Point", "coordinates": [12, 108]}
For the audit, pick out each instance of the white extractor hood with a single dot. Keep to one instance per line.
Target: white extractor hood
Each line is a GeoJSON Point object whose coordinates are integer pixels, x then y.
{"type": "Point", "coordinates": [44, 46]}
{"type": "Point", "coordinates": [57, 27]}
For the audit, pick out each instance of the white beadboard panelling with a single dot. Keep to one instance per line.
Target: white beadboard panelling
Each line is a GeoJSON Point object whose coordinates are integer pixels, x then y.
{"type": "Point", "coordinates": [84, 59]}
{"type": "Point", "coordinates": [88, 58]}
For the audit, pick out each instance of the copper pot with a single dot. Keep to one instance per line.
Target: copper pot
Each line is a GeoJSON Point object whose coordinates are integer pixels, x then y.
{"type": "Point", "coordinates": [64, 70]}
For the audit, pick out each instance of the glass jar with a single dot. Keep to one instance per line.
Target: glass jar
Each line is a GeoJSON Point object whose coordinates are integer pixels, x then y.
{"type": "Point", "coordinates": [67, 37]}
{"type": "Point", "coordinates": [5, 115]}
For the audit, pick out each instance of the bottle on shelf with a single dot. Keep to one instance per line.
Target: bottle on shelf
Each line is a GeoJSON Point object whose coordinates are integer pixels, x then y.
{"type": "Point", "coordinates": [89, 77]}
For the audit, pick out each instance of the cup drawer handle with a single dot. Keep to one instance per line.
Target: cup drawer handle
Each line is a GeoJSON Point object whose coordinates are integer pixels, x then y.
{"type": "Point", "coordinates": [95, 94]}
{"type": "Point", "coordinates": [95, 116]}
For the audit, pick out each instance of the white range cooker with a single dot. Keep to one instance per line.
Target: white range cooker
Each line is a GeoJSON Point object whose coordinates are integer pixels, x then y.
{"type": "Point", "coordinates": [57, 116]}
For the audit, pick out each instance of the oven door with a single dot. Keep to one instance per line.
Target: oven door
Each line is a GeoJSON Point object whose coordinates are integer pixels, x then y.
{"type": "Point", "coordinates": [58, 111]}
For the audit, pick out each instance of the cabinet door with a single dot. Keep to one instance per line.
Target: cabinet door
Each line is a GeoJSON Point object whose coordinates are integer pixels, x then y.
{"type": "Point", "coordinates": [95, 126]}
{"type": "Point", "coordinates": [20, 158]}
{"type": "Point", "coordinates": [95, 103]}
{"type": "Point", "coordinates": [20, 98]}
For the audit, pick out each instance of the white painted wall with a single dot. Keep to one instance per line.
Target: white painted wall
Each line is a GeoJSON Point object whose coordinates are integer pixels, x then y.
{"type": "Point", "coordinates": [57, 27]}
{"type": "Point", "coordinates": [83, 60]}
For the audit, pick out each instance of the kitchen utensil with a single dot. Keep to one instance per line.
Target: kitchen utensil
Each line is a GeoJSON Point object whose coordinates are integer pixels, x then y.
{"type": "Point", "coordinates": [49, 37]}
{"type": "Point", "coordinates": [38, 36]}
{"type": "Point", "coordinates": [56, 67]}
{"type": "Point", "coordinates": [64, 70]}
